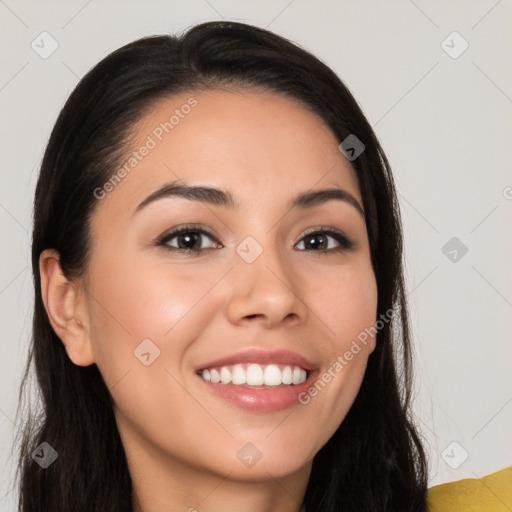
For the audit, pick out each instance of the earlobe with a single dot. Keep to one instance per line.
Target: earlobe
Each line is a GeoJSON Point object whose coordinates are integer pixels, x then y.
{"type": "Point", "coordinates": [66, 312]}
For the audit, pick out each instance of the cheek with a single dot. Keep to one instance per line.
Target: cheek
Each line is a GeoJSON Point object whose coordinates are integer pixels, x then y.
{"type": "Point", "coordinates": [346, 302]}
{"type": "Point", "coordinates": [132, 301]}
{"type": "Point", "coordinates": [347, 306]}
{"type": "Point", "coordinates": [169, 304]}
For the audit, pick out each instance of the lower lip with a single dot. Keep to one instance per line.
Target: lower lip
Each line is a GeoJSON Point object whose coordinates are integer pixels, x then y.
{"type": "Point", "coordinates": [261, 400]}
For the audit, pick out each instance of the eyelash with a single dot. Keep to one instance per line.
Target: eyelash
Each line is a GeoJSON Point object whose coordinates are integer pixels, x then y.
{"type": "Point", "coordinates": [341, 238]}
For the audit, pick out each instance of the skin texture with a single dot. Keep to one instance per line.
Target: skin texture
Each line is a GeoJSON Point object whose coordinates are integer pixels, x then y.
{"type": "Point", "coordinates": [181, 439]}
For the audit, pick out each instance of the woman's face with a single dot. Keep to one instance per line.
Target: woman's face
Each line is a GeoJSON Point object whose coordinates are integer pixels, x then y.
{"type": "Point", "coordinates": [254, 277]}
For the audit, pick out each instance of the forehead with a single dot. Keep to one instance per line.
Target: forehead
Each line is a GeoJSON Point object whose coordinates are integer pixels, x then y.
{"type": "Point", "coordinates": [251, 142]}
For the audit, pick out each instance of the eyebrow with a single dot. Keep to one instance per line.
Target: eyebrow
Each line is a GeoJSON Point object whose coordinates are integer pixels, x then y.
{"type": "Point", "coordinates": [219, 197]}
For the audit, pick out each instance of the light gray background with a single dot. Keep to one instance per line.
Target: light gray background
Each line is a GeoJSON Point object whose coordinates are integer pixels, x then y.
{"type": "Point", "coordinates": [445, 125]}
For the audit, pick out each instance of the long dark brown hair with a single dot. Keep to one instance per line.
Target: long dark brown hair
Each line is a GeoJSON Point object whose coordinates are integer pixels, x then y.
{"type": "Point", "coordinates": [375, 461]}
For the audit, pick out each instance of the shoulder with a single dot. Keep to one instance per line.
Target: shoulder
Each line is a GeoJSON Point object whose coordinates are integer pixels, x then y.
{"type": "Point", "coordinates": [491, 493]}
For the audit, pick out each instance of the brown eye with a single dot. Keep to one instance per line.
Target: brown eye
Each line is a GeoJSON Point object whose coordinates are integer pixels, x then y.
{"type": "Point", "coordinates": [187, 239]}
{"type": "Point", "coordinates": [321, 240]}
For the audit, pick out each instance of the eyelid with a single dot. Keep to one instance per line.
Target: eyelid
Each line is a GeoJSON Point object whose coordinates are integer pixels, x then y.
{"type": "Point", "coordinates": [184, 228]}
{"type": "Point", "coordinates": [317, 229]}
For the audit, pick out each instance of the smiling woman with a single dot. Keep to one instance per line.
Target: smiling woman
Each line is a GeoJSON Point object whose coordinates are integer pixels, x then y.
{"type": "Point", "coordinates": [220, 328]}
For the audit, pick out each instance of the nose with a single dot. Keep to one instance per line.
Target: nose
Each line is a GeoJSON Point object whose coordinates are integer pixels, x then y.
{"type": "Point", "coordinates": [266, 291]}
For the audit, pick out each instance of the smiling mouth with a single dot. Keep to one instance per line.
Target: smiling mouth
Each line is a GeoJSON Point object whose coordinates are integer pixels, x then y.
{"type": "Point", "coordinates": [256, 376]}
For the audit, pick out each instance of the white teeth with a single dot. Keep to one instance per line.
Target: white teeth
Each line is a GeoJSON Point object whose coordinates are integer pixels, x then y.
{"type": "Point", "coordinates": [286, 375]}
{"type": "Point", "coordinates": [225, 375]}
{"type": "Point", "coordinates": [256, 375]}
{"type": "Point", "coordinates": [297, 375]}
{"type": "Point", "coordinates": [272, 375]}
{"type": "Point", "coordinates": [238, 375]}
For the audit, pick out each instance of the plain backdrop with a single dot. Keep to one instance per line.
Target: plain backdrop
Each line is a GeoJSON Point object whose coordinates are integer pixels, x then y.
{"type": "Point", "coordinates": [439, 101]}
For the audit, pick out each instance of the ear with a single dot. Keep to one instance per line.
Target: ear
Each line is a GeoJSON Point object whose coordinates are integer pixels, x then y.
{"type": "Point", "coordinates": [66, 309]}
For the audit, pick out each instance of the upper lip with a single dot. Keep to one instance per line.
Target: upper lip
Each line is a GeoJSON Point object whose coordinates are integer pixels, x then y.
{"type": "Point", "coordinates": [260, 356]}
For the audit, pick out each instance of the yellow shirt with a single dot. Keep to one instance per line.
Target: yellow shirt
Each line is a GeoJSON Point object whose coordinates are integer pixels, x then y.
{"type": "Point", "coordinates": [491, 493]}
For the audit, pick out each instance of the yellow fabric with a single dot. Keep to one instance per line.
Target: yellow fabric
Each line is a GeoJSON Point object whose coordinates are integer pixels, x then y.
{"type": "Point", "coordinates": [491, 493]}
